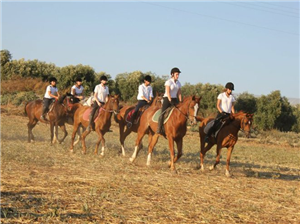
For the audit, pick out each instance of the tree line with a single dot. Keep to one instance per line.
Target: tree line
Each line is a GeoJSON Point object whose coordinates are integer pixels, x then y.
{"type": "Point", "coordinates": [272, 111]}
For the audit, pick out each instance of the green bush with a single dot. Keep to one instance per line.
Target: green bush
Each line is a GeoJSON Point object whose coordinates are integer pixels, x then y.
{"type": "Point", "coordinates": [18, 98]}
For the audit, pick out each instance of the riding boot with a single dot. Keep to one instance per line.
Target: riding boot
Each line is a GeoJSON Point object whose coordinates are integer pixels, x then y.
{"type": "Point", "coordinates": [44, 111]}
{"type": "Point", "coordinates": [160, 124]}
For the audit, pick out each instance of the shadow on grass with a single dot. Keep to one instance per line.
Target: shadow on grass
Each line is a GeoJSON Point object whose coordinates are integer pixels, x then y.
{"type": "Point", "coordinates": [16, 205]}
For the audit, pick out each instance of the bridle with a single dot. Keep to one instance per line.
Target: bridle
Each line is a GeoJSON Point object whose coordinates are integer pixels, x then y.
{"type": "Point", "coordinates": [187, 117]}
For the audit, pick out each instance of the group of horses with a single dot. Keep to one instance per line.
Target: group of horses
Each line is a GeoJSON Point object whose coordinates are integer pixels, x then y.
{"type": "Point", "coordinates": [175, 126]}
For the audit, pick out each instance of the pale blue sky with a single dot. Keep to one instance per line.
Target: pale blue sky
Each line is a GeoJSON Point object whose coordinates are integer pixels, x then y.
{"type": "Point", "coordinates": [253, 44]}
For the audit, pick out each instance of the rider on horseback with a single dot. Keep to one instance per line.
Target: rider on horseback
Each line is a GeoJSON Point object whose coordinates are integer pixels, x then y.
{"type": "Point", "coordinates": [77, 91]}
{"type": "Point", "coordinates": [50, 96]}
{"type": "Point", "coordinates": [172, 92]}
{"type": "Point", "coordinates": [225, 105]}
{"type": "Point", "coordinates": [101, 93]}
{"type": "Point", "coordinates": [144, 97]}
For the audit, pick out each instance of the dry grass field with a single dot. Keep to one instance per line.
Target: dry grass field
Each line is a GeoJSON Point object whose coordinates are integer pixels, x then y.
{"type": "Point", "coordinates": [47, 184]}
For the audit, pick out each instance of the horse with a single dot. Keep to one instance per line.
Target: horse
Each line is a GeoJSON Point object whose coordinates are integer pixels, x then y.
{"type": "Point", "coordinates": [175, 128]}
{"type": "Point", "coordinates": [102, 123]}
{"type": "Point", "coordinates": [121, 120]}
{"type": "Point", "coordinates": [227, 136]}
{"type": "Point", "coordinates": [59, 114]}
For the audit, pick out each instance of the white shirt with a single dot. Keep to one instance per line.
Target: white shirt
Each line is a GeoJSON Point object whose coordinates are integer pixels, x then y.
{"type": "Point", "coordinates": [102, 92]}
{"type": "Point", "coordinates": [174, 87]}
{"type": "Point", "coordinates": [145, 91]}
{"type": "Point", "coordinates": [78, 91]}
{"type": "Point", "coordinates": [53, 91]}
{"type": "Point", "coordinates": [226, 102]}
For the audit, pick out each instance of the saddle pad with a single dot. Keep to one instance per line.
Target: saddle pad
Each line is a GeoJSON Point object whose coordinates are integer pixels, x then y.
{"type": "Point", "coordinates": [138, 116]}
{"type": "Point", "coordinates": [86, 114]}
{"type": "Point", "coordinates": [158, 113]}
{"type": "Point", "coordinates": [210, 124]}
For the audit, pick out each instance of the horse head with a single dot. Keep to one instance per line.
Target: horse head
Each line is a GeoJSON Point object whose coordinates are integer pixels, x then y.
{"type": "Point", "coordinates": [157, 100]}
{"type": "Point", "coordinates": [193, 108]}
{"type": "Point", "coordinates": [113, 104]}
{"type": "Point", "coordinates": [246, 123]}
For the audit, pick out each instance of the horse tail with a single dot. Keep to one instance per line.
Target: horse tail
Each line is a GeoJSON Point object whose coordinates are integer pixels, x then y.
{"type": "Point", "coordinates": [198, 118]}
{"type": "Point", "coordinates": [25, 111]}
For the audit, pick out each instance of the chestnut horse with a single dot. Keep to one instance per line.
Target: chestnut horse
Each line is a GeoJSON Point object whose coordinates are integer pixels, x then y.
{"type": "Point", "coordinates": [227, 136]}
{"type": "Point", "coordinates": [121, 120]}
{"type": "Point", "coordinates": [102, 124]}
{"type": "Point", "coordinates": [175, 128]}
{"type": "Point", "coordinates": [58, 116]}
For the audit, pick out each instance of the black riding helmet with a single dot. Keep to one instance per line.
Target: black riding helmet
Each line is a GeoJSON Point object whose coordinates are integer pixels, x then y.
{"type": "Point", "coordinates": [103, 77]}
{"type": "Point", "coordinates": [229, 85]}
{"type": "Point", "coordinates": [175, 70]}
{"type": "Point", "coordinates": [148, 78]}
{"type": "Point", "coordinates": [78, 79]}
{"type": "Point", "coordinates": [51, 79]}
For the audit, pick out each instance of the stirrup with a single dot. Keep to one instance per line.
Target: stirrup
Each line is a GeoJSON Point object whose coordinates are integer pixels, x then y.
{"type": "Point", "coordinates": [129, 125]}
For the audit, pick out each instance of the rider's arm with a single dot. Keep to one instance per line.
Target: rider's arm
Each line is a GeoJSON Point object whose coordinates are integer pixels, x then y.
{"type": "Point", "coordinates": [232, 108]}
{"type": "Point", "coordinates": [53, 96]}
{"type": "Point", "coordinates": [168, 93]}
{"type": "Point", "coordinates": [219, 105]}
{"type": "Point", "coordinates": [96, 98]}
{"type": "Point", "coordinates": [179, 95]}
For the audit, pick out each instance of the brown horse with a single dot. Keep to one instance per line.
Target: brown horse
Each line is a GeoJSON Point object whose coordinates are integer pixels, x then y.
{"type": "Point", "coordinates": [175, 128]}
{"type": "Point", "coordinates": [227, 136]}
{"type": "Point", "coordinates": [58, 116]}
{"type": "Point", "coordinates": [121, 120]}
{"type": "Point", "coordinates": [102, 124]}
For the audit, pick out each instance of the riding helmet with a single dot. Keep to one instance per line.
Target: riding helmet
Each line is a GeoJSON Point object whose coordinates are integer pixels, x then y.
{"type": "Point", "coordinates": [229, 85]}
{"type": "Point", "coordinates": [148, 78]}
{"type": "Point", "coordinates": [51, 79]}
{"type": "Point", "coordinates": [175, 70]}
{"type": "Point", "coordinates": [78, 79]}
{"type": "Point", "coordinates": [103, 77]}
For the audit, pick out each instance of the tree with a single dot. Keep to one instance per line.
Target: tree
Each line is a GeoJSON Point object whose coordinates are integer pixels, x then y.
{"type": "Point", "coordinates": [286, 119]}
{"type": "Point", "coordinates": [246, 102]}
{"type": "Point", "coordinates": [296, 112]}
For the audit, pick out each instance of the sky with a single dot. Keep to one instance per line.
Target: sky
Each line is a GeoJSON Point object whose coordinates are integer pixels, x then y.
{"type": "Point", "coordinates": [253, 44]}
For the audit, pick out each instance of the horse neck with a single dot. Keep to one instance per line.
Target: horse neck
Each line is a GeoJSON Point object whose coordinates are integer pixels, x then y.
{"type": "Point", "coordinates": [183, 107]}
{"type": "Point", "coordinates": [237, 121]}
{"type": "Point", "coordinates": [107, 112]}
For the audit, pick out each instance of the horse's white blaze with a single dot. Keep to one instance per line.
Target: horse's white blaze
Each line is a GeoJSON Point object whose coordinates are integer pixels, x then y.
{"type": "Point", "coordinates": [149, 159]}
{"type": "Point", "coordinates": [123, 150]}
{"type": "Point", "coordinates": [134, 154]}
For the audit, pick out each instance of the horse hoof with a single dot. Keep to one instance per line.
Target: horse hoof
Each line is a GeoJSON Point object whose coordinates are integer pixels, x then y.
{"type": "Point", "coordinates": [227, 173]}
{"type": "Point", "coordinates": [174, 171]}
{"type": "Point", "coordinates": [131, 159]}
{"type": "Point", "coordinates": [211, 168]}
{"type": "Point", "coordinates": [71, 151]}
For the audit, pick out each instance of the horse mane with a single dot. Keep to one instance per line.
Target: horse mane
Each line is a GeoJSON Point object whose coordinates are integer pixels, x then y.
{"type": "Point", "coordinates": [61, 98]}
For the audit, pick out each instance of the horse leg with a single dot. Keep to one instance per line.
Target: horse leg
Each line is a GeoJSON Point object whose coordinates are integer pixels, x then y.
{"type": "Point", "coordinates": [102, 140]}
{"type": "Point", "coordinates": [172, 153]}
{"type": "Point", "coordinates": [75, 129]}
{"type": "Point", "coordinates": [152, 142]}
{"type": "Point", "coordinates": [63, 128]}
{"type": "Point", "coordinates": [229, 151]}
{"type": "Point", "coordinates": [122, 137]}
{"type": "Point", "coordinates": [83, 136]}
{"type": "Point", "coordinates": [203, 152]}
{"type": "Point", "coordinates": [219, 147]}
{"type": "Point", "coordinates": [137, 145]}
{"type": "Point", "coordinates": [31, 124]}
{"type": "Point", "coordinates": [179, 149]}
{"type": "Point", "coordinates": [51, 132]}
{"type": "Point", "coordinates": [55, 139]}
{"type": "Point", "coordinates": [78, 136]}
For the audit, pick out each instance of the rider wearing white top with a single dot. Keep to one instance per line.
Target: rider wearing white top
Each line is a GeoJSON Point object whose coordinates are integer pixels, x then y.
{"type": "Point", "coordinates": [101, 93]}
{"type": "Point", "coordinates": [171, 96]}
{"type": "Point", "coordinates": [144, 97]}
{"type": "Point", "coordinates": [77, 91]}
{"type": "Point", "coordinates": [225, 105]}
{"type": "Point", "coordinates": [50, 95]}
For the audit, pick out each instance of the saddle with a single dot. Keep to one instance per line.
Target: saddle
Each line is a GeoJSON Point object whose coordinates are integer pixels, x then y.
{"type": "Point", "coordinates": [166, 115]}
{"type": "Point", "coordinates": [219, 125]}
{"type": "Point", "coordinates": [138, 116]}
{"type": "Point", "coordinates": [87, 112]}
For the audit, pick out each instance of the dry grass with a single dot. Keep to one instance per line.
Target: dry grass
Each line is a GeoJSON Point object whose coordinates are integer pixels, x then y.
{"type": "Point", "coordinates": [44, 184]}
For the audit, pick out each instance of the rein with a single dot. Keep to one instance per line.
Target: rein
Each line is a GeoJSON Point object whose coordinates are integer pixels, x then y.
{"type": "Point", "coordinates": [186, 116]}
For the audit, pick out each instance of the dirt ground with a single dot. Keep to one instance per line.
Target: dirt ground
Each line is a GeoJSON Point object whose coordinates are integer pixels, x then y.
{"type": "Point", "coordinates": [48, 184]}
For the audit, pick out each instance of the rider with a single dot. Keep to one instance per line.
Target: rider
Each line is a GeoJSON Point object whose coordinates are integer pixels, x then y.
{"type": "Point", "coordinates": [51, 95]}
{"type": "Point", "coordinates": [144, 97]}
{"type": "Point", "coordinates": [225, 106]}
{"type": "Point", "coordinates": [171, 96]}
{"type": "Point", "coordinates": [77, 91]}
{"type": "Point", "coordinates": [101, 93]}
